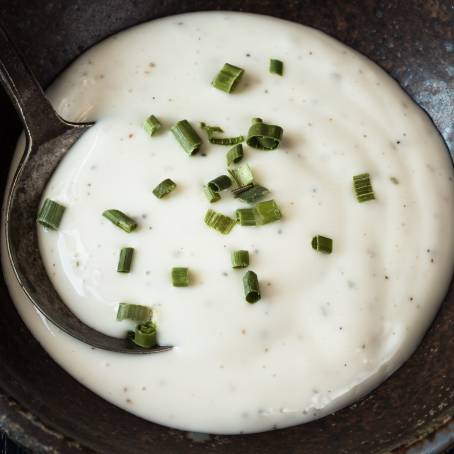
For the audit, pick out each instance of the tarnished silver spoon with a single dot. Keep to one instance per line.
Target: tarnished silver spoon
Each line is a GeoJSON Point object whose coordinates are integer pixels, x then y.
{"type": "Point", "coordinates": [49, 137]}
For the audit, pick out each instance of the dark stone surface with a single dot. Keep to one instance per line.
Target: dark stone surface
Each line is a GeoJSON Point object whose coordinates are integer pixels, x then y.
{"type": "Point", "coordinates": [44, 408]}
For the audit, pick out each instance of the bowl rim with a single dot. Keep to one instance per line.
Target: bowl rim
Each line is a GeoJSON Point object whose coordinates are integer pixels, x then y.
{"type": "Point", "coordinates": [29, 431]}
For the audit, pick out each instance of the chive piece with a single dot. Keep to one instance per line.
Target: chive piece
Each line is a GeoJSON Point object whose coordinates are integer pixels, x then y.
{"type": "Point", "coordinates": [180, 277]}
{"type": "Point", "coordinates": [363, 187]}
{"type": "Point", "coordinates": [253, 194]}
{"type": "Point", "coordinates": [242, 175]}
{"type": "Point", "coordinates": [145, 335]}
{"type": "Point", "coordinates": [246, 216]}
{"type": "Point", "coordinates": [251, 287]}
{"type": "Point", "coordinates": [322, 244]}
{"type": "Point", "coordinates": [187, 137]}
{"type": "Point", "coordinates": [263, 136]}
{"type": "Point", "coordinates": [125, 260]}
{"type": "Point", "coordinates": [267, 212]}
{"type": "Point", "coordinates": [226, 140]}
{"type": "Point", "coordinates": [228, 78]}
{"type": "Point", "coordinates": [164, 187]}
{"type": "Point", "coordinates": [240, 259]}
{"type": "Point", "coordinates": [120, 220]}
{"type": "Point", "coordinates": [211, 195]}
{"type": "Point", "coordinates": [134, 312]}
{"type": "Point", "coordinates": [50, 214]}
{"type": "Point", "coordinates": [220, 183]}
{"type": "Point", "coordinates": [212, 130]}
{"type": "Point", "coordinates": [219, 222]}
{"type": "Point", "coordinates": [235, 154]}
{"type": "Point", "coordinates": [238, 191]}
{"type": "Point", "coordinates": [152, 125]}
{"type": "Point", "coordinates": [276, 67]}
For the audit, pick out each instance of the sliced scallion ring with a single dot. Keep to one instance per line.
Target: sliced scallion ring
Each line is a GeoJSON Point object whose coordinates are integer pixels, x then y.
{"type": "Point", "coordinates": [125, 260]}
{"type": "Point", "coordinates": [276, 67]}
{"type": "Point", "coordinates": [228, 78]}
{"type": "Point", "coordinates": [363, 187]}
{"type": "Point", "coordinates": [50, 214]}
{"type": "Point", "coordinates": [187, 137]}
{"type": "Point", "coordinates": [220, 222]}
{"type": "Point", "coordinates": [180, 277]}
{"type": "Point", "coordinates": [240, 259]}
{"type": "Point", "coordinates": [134, 312]}
{"type": "Point", "coordinates": [145, 335]}
{"type": "Point", "coordinates": [152, 125]}
{"type": "Point", "coordinates": [267, 212]}
{"type": "Point", "coordinates": [251, 287]}
{"type": "Point", "coordinates": [263, 136]}
{"type": "Point", "coordinates": [322, 244]}
{"type": "Point", "coordinates": [235, 155]}
{"type": "Point", "coordinates": [121, 220]}
{"type": "Point", "coordinates": [164, 188]}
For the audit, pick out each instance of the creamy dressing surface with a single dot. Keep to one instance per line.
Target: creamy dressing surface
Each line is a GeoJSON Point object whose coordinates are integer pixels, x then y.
{"type": "Point", "coordinates": [329, 328]}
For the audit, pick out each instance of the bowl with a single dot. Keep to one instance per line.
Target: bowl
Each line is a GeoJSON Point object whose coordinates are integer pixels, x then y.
{"type": "Point", "coordinates": [45, 409]}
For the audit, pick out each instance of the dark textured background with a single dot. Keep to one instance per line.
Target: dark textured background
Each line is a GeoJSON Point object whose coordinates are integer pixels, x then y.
{"type": "Point", "coordinates": [414, 41]}
{"type": "Point", "coordinates": [9, 447]}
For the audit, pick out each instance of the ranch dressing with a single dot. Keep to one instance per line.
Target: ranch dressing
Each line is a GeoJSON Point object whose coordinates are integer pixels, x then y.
{"type": "Point", "coordinates": [328, 328]}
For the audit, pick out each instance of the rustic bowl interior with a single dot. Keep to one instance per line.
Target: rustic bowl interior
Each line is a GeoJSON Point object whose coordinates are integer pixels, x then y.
{"type": "Point", "coordinates": [44, 408]}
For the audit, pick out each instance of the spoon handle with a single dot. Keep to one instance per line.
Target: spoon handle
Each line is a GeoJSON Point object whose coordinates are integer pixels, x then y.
{"type": "Point", "coordinates": [40, 120]}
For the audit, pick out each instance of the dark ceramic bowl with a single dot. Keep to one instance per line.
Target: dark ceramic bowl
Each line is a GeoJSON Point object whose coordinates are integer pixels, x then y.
{"type": "Point", "coordinates": [45, 409]}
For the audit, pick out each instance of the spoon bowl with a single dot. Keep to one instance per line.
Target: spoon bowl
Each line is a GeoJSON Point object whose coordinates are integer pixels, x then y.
{"type": "Point", "coordinates": [48, 139]}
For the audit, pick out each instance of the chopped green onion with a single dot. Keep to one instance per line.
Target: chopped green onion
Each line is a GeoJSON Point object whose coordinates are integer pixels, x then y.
{"type": "Point", "coordinates": [322, 244]}
{"type": "Point", "coordinates": [253, 194]}
{"type": "Point", "coordinates": [263, 136]}
{"type": "Point", "coordinates": [219, 222]}
{"type": "Point", "coordinates": [212, 130]}
{"type": "Point", "coordinates": [238, 191]}
{"type": "Point", "coordinates": [251, 287]}
{"type": "Point", "coordinates": [226, 140]}
{"type": "Point", "coordinates": [235, 154]}
{"type": "Point", "coordinates": [152, 125]}
{"type": "Point", "coordinates": [134, 312]}
{"type": "Point", "coordinates": [120, 219]}
{"type": "Point", "coordinates": [50, 214]}
{"type": "Point", "coordinates": [267, 212]}
{"type": "Point", "coordinates": [227, 79]}
{"type": "Point", "coordinates": [165, 187]}
{"type": "Point", "coordinates": [242, 175]}
{"type": "Point", "coordinates": [180, 277]}
{"type": "Point", "coordinates": [363, 187]}
{"type": "Point", "coordinates": [240, 259]}
{"type": "Point", "coordinates": [124, 263]}
{"type": "Point", "coordinates": [145, 335]}
{"type": "Point", "coordinates": [211, 195]}
{"type": "Point", "coordinates": [276, 67]}
{"type": "Point", "coordinates": [187, 137]}
{"type": "Point", "coordinates": [220, 183]}
{"type": "Point", "coordinates": [246, 216]}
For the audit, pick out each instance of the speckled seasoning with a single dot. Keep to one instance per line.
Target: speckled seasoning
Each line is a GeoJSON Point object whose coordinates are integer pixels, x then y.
{"type": "Point", "coordinates": [328, 327]}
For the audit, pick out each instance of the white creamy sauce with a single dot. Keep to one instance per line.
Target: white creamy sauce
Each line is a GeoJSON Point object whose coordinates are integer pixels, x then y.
{"type": "Point", "coordinates": [329, 328]}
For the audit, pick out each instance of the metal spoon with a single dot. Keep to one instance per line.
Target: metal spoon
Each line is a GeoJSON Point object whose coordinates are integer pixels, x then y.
{"type": "Point", "coordinates": [49, 137]}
